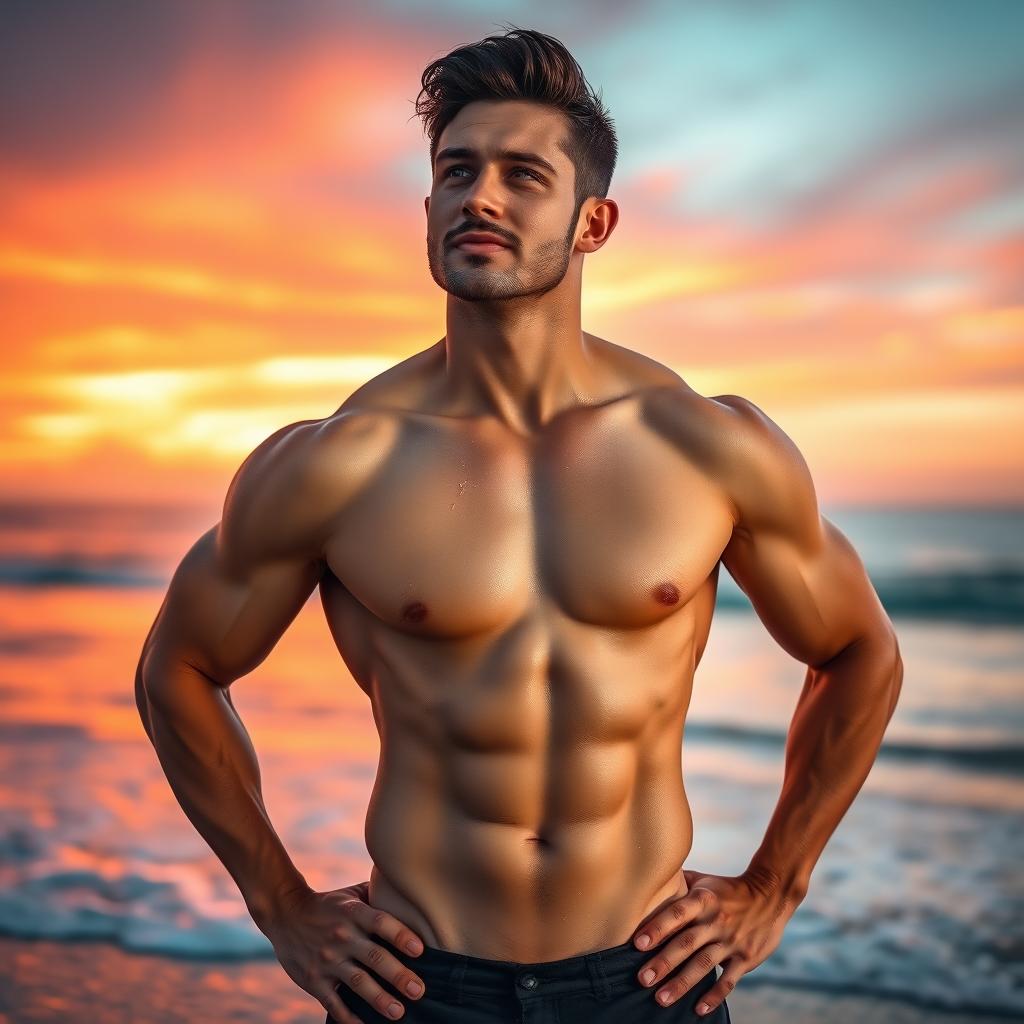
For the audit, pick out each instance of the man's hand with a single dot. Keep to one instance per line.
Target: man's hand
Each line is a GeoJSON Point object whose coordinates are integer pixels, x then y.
{"type": "Point", "coordinates": [322, 938]}
{"type": "Point", "coordinates": [733, 920]}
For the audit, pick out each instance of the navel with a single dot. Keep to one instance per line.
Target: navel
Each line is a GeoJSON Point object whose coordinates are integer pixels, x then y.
{"type": "Point", "coordinates": [666, 593]}
{"type": "Point", "coordinates": [415, 611]}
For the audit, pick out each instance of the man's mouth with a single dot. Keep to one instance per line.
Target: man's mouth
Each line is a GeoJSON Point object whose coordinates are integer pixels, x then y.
{"type": "Point", "coordinates": [481, 247]}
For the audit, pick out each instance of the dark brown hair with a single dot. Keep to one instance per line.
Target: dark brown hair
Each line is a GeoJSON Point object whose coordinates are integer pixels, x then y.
{"type": "Point", "coordinates": [525, 64]}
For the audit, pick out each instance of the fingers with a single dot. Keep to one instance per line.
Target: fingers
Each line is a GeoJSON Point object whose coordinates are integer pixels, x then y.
{"type": "Point", "coordinates": [696, 968]}
{"type": "Point", "coordinates": [386, 965]}
{"type": "Point", "coordinates": [673, 953]}
{"type": "Point", "coordinates": [380, 922]}
{"type": "Point", "coordinates": [732, 971]}
{"type": "Point", "coordinates": [365, 960]}
{"type": "Point", "coordinates": [361, 982]}
{"type": "Point", "coordinates": [696, 905]}
{"type": "Point", "coordinates": [337, 1011]}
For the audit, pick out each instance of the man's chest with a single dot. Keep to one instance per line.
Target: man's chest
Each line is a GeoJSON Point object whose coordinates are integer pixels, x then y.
{"type": "Point", "coordinates": [603, 520]}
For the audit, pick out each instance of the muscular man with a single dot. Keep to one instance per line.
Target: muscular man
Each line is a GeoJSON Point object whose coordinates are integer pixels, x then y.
{"type": "Point", "coordinates": [516, 534]}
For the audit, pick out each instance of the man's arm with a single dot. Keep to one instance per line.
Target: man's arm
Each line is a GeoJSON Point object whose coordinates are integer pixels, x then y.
{"type": "Point", "coordinates": [810, 589]}
{"type": "Point", "coordinates": [229, 601]}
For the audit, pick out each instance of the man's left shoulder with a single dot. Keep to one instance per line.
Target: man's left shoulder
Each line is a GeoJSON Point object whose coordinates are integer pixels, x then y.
{"type": "Point", "coordinates": [766, 474]}
{"type": "Point", "coordinates": [752, 458]}
{"type": "Point", "coordinates": [733, 426]}
{"type": "Point", "coordinates": [706, 427]}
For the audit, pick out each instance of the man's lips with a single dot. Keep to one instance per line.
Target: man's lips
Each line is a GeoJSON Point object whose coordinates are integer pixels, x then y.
{"type": "Point", "coordinates": [481, 246]}
{"type": "Point", "coordinates": [479, 239]}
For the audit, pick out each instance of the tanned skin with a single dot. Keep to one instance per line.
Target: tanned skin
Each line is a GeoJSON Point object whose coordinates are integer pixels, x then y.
{"type": "Point", "coordinates": [517, 534]}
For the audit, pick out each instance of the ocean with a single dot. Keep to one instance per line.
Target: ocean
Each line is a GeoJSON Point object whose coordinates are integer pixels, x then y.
{"type": "Point", "coordinates": [918, 896]}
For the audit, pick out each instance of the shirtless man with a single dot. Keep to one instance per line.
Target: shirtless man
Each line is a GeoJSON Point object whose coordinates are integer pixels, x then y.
{"type": "Point", "coordinates": [516, 534]}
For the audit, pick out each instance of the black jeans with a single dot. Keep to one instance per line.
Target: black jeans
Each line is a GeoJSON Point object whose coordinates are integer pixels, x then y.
{"type": "Point", "coordinates": [593, 988]}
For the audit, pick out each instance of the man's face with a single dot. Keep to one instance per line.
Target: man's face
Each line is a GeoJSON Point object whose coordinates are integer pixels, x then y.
{"type": "Point", "coordinates": [531, 207]}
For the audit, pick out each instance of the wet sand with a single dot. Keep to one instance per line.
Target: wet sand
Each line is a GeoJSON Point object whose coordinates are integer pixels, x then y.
{"type": "Point", "coordinates": [103, 984]}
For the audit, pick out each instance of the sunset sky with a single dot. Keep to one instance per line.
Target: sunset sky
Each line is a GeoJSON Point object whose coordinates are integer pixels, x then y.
{"type": "Point", "coordinates": [212, 225]}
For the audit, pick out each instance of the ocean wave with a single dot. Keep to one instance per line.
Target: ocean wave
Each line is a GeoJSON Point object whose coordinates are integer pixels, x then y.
{"type": "Point", "coordinates": [136, 910]}
{"type": "Point", "coordinates": [1000, 758]}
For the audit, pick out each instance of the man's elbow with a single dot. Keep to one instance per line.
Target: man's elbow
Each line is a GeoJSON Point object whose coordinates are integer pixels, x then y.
{"type": "Point", "coordinates": [880, 648]}
{"type": "Point", "coordinates": [897, 676]}
{"type": "Point", "coordinates": [151, 675]}
{"type": "Point", "coordinates": [885, 651]}
{"type": "Point", "coordinates": [142, 700]}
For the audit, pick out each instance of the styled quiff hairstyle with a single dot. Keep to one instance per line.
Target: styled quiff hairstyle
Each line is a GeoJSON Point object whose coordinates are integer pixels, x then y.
{"type": "Point", "coordinates": [525, 64]}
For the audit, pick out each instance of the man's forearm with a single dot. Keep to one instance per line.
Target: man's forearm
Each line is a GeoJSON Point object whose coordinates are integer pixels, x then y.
{"type": "Point", "coordinates": [212, 769]}
{"type": "Point", "coordinates": [833, 740]}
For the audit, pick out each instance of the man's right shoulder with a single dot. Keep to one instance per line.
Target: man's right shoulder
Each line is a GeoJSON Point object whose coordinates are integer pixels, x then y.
{"type": "Point", "coordinates": [321, 459]}
{"type": "Point", "coordinates": [285, 498]}
{"type": "Point", "coordinates": [305, 473]}
{"type": "Point", "coordinates": [399, 386]}
{"type": "Point", "coordinates": [330, 449]}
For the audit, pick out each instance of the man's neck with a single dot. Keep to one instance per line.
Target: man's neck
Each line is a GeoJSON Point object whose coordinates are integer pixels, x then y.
{"type": "Point", "coordinates": [523, 373]}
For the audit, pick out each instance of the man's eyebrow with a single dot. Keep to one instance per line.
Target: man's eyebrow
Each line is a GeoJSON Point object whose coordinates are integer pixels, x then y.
{"type": "Point", "coordinates": [466, 153]}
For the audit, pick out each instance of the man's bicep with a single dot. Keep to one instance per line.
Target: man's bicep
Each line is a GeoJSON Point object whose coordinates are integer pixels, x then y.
{"type": "Point", "coordinates": [244, 581]}
{"type": "Point", "coordinates": [223, 619]}
{"type": "Point", "coordinates": [804, 578]}
{"type": "Point", "coordinates": [815, 598]}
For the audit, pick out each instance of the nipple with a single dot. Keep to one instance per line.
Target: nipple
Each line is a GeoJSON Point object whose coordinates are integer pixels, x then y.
{"type": "Point", "coordinates": [416, 611]}
{"type": "Point", "coordinates": [666, 593]}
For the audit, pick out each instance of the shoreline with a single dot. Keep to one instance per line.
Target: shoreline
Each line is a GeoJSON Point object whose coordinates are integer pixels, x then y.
{"type": "Point", "coordinates": [45, 980]}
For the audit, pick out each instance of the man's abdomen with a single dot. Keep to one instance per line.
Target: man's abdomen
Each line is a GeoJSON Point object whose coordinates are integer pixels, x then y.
{"type": "Point", "coordinates": [505, 891]}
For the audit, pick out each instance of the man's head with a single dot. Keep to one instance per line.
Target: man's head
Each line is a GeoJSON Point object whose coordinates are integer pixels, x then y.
{"type": "Point", "coordinates": [518, 93]}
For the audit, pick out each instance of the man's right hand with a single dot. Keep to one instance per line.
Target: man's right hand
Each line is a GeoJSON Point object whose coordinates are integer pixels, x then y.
{"type": "Point", "coordinates": [321, 938]}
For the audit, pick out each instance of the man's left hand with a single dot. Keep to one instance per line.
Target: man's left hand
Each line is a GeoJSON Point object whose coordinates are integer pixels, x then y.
{"type": "Point", "coordinates": [733, 920]}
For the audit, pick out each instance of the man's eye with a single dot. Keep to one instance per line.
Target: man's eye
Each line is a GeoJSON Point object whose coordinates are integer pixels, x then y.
{"type": "Point", "coordinates": [460, 167]}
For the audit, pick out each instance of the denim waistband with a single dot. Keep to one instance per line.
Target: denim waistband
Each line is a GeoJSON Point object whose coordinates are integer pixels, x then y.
{"type": "Point", "coordinates": [597, 972]}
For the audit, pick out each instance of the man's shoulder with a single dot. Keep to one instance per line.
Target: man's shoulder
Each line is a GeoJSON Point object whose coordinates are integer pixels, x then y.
{"type": "Point", "coordinates": [315, 467]}
{"type": "Point", "coordinates": [735, 442]}
{"type": "Point", "coordinates": [367, 422]}
{"type": "Point", "coordinates": [729, 422]}
{"type": "Point", "coordinates": [692, 420]}
{"type": "Point", "coordinates": [663, 389]}
{"type": "Point", "coordinates": [396, 388]}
